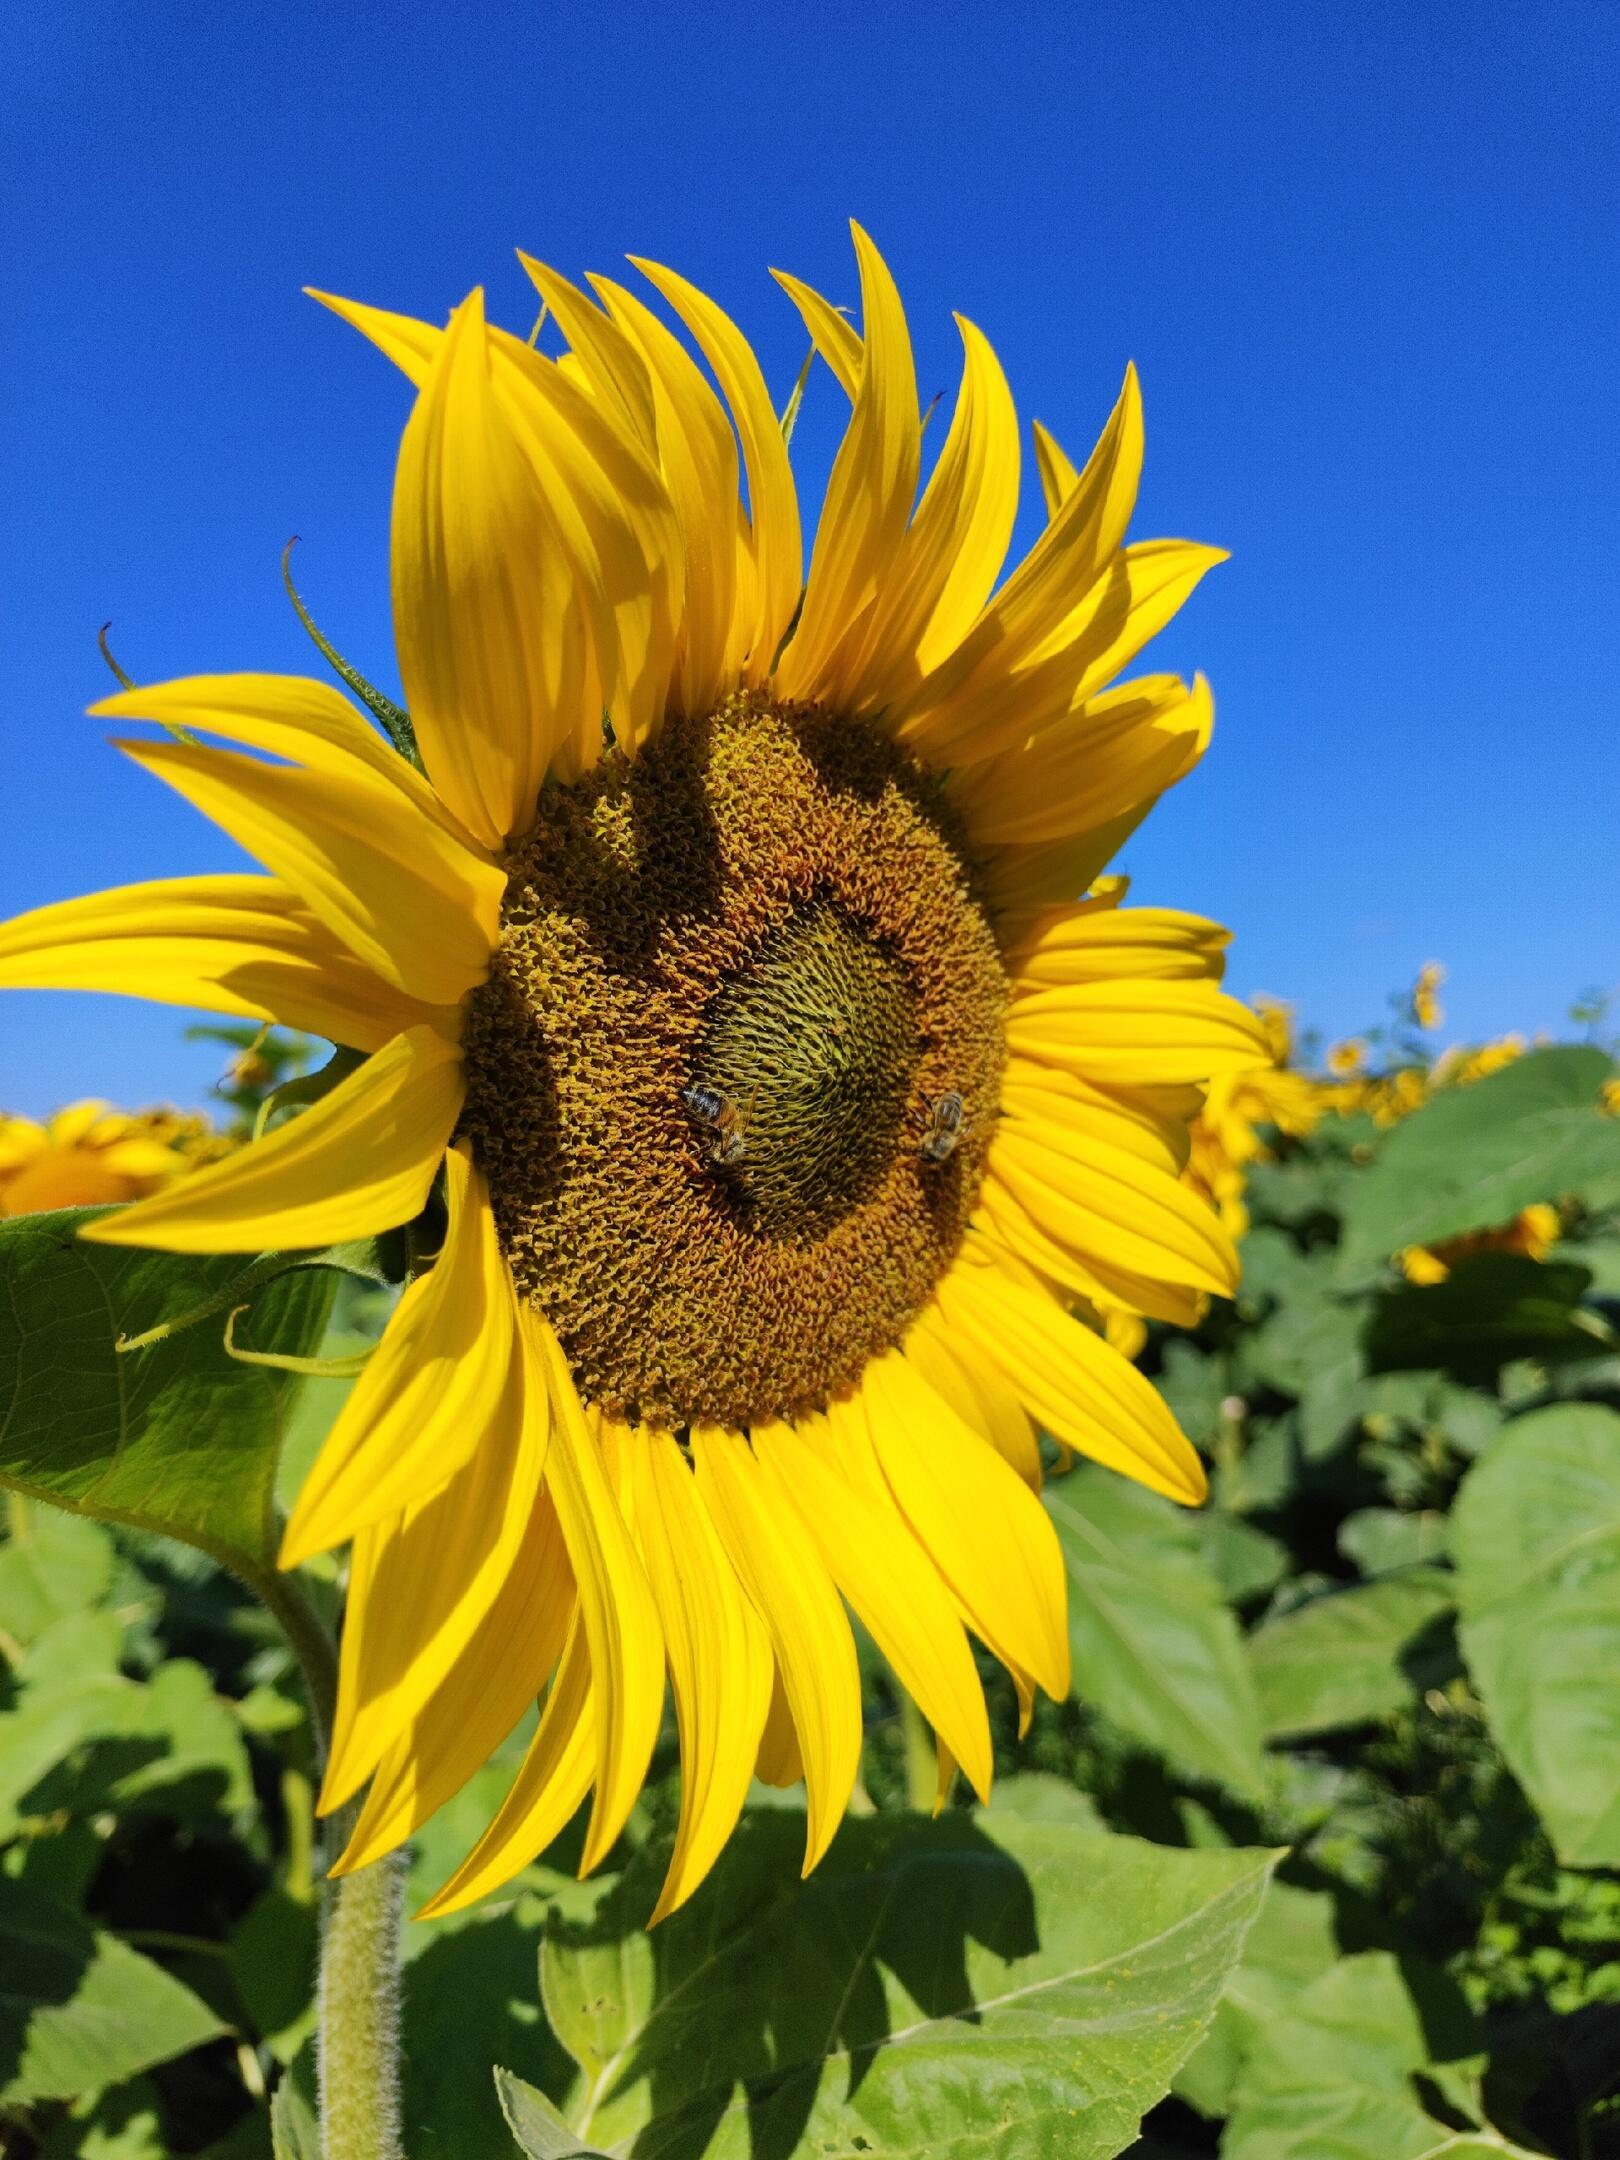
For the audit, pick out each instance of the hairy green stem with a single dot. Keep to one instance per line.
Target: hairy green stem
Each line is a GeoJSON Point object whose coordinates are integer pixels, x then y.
{"type": "Point", "coordinates": [359, 2014]}
{"type": "Point", "coordinates": [357, 2033]}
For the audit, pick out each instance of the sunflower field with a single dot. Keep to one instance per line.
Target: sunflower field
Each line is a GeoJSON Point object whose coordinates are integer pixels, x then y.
{"type": "Point", "coordinates": [1322, 1858]}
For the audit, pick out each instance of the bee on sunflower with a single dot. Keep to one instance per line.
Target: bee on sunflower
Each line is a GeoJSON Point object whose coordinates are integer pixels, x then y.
{"type": "Point", "coordinates": [714, 949]}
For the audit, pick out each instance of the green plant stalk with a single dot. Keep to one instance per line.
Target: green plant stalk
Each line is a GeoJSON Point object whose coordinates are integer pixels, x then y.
{"type": "Point", "coordinates": [357, 2003]}
{"type": "Point", "coordinates": [922, 1767]}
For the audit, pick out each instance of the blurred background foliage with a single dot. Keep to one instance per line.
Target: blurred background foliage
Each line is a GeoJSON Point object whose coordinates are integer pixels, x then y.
{"type": "Point", "coordinates": [1389, 1646]}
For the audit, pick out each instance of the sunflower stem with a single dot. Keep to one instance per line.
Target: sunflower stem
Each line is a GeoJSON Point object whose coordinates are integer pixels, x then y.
{"type": "Point", "coordinates": [922, 1768]}
{"type": "Point", "coordinates": [358, 2030]}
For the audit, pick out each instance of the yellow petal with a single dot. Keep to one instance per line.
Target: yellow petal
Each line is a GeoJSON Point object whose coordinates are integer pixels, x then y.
{"type": "Point", "coordinates": [361, 1160]}
{"type": "Point", "coordinates": [773, 499]}
{"type": "Point", "coordinates": [698, 455]}
{"type": "Point", "coordinates": [955, 545]}
{"type": "Point", "coordinates": [1064, 564]}
{"type": "Point", "coordinates": [615, 370]}
{"type": "Point", "coordinates": [719, 1659]}
{"type": "Point", "coordinates": [1080, 944]}
{"type": "Point", "coordinates": [1128, 603]}
{"type": "Point", "coordinates": [783, 1573]}
{"type": "Point", "coordinates": [869, 493]}
{"type": "Point", "coordinates": [834, 336]}
{"type": "Point", "coordinates": [620, 1618]}
{"type": "Point", "coordinates": [1123, 1033]}
{"type": "Point", "coordinates": [238, 945]}
{"type": "Point", "coordinates": [432, 1386]}
{"type": "Point", "coordinates": [1057, 1102]}
{"type": "Point", "coordinates": [1094, 1197]}
{"type": "Point", "coordinates": [1094, 763]}
{"type": "Point", "coordinates": [1020, 1245]}
{"type": "Point", "coordinates": [1059, 474]}
{"type": "Point", "coordinates": [502, 1668]}
{"type": "Point", "coordinates": [1085, 1394]}
{"type": "Point", "coordinates": [404, 897]}
{"type": "Point", "coordinates": [484, 601]}
{"type": "Point", "coordinates": [779, 1762]}
{"type": "Point", "coordinates": [986, 1532]}
{"type": "Point", "coordinates": [290, 716]}
{"type": "Point", "coordinates": [552, 1780]}
{"type": "Point", "coordinates": [872, 1556]}
{"type": "Point", "coordinates": [420, 1581]}
{"type": "Point", "coordinates": [977, 1392]}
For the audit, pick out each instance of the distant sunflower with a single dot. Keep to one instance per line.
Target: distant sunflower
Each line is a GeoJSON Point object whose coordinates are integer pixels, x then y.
{"type": "Point", "coordinates": [799, 1130]}
{"type": "Point", "coordinates": [89, 1154]}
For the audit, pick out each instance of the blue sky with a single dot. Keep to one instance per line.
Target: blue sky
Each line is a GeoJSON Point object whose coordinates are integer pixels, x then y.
{"type": "Point", "coordinates": [1364, 258]}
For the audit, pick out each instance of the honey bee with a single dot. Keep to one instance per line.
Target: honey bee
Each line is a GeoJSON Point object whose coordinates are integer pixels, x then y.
{"type": "Point", "coordinates": [724, 1120]}
{"type": "Point", "coordinates": [945, 1122]}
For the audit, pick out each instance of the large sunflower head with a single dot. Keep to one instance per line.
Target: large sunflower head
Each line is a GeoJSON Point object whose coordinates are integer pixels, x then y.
{"type": "Point", "coordinates": [731, 951]}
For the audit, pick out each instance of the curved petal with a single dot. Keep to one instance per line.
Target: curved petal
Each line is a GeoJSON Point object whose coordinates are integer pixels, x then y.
{"type": "Point", "coordinates": [289, 716]}
{"type": "Point", "coordinates": [773, 498]}
{"type": "Point", "coordinates": [780, 1568]}
{"type": "Point", "coordinates": [415, 905]}
{"type": "Point", "coordinates": [237, 945]}
{"type": "Point", "coordinates": [1085, 1394]}
{"type": "Point", "coordinates": [977, 1392]}
{"type": "Point", "coordinates": [1120, 1033]}
{"type": "Point", "coordinates": [1094, 1197]}
{"type": "Point", "coordinates": [956, 543]}
{"type": "Point", "coordinates": [620, 1619]}
{"type": "Point", "coordinates": [422, 1580]}
{"type": "Point", "coordinates": [425, 1402]}
{"type": "Point", "coordinates": [502, 1668]}
{"type": "Point", "coordinates": [834, 336]}
{"type": "Point", "coordinates": [719, 1658]}
{"type": "Point", "coordinates": [552, 1780]}
{"type": "Point", "coordinates": [1090, 766]}
{"type": "Point", "coordinates": [698, 455]}
{"type": "Point", "coordinates": [483, 595]}
{"type": "Point", "coordinates": [872, 1556]}
{"type": "Point", "coordinates": [1080, 944]}
{"type": "Point", "coordinates": [613, 367]}
{"type": "Point", "coordinates": [869, 493]}
{"type": "Point", "coordinates": [984, 1529]}
{"type": "Point", "coordinates": [361, 1160]}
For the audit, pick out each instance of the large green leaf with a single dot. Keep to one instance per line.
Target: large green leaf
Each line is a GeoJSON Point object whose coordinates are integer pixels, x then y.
{"type": "Point", "coordinates": [177, 1437]}
{"type": "Point", "coordinates": [1473, 1156]}
{"type": "Point", "coordinates": [1337, 1660]}
{"type": "Point", "coordinates": [1291, 1943]}
{"type": "Point", "coordinates": [1341, 2071]}
{"type": "Point", "coordinates": [1536, 1539]}
{"type": "Point", "coordinates": [1154, 1643]}
{"type": "Point", "coordinates": [79, 2009]}
{"type": "Point", "coordinates": [959, 1988]}
{"type": "Point", "coordinates": [1490, 1310]}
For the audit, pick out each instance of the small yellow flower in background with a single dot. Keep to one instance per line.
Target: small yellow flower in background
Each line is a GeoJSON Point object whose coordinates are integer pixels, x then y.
{"type": "Point", "coordinates": [1425, 999]}
{"type": "Point", "coordinates": [1461, 1066]}
{"type": "Point", "coordinates": [806, 1142]}
{"type": "Point", "coordinates": [1533, 1232]}
{"type": "Point", "coordinates": [1229, 1133]}
{"type": "Point", "coordinates": [1346, 1059]}
{"type": "Point", "coordinates": [89, 1154]}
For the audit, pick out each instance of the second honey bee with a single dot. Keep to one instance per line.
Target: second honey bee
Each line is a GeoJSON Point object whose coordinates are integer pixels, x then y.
{"type": "Point", "coordinates": [945, 1123]}
{"type": "Point", "coordinates": [724, 1121]}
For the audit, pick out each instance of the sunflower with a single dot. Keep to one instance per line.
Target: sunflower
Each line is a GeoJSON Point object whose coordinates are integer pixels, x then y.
{"type": "Point", "coordinates": [714, 965]}
{"type": "Point", "coordinates": [89, 1153]}
{"type": "Point", "coordinates": [1229, 1132]}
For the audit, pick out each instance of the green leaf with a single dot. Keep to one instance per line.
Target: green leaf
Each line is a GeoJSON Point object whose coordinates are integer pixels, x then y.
{"type": "Point", "coordinates": [177, 1437]}
{"type": "Point", "coordinates": [124, 2124]}
{"type": "Point", "coordinates": [1289, 1945]}
{"type": "Point", "coordinates": [1536, 1541]}
{"type": "Point", "coordinates": [1246, 1562]}
{"type": "Point", "coordinates": [78, 2008]}
{"type": "Point", "coordinates": [1153, 1641]}
{"type": "Point", "coordinates": [295, 2128]}
{"type": "Point", "coordinates": [50, 1565]}
{"type": "Point", "coordinates": [1381, 1539]}
{"type": "Point", "coordinates": [539, 2129]}
{"type": "Point", "coordinates": [1337, 1660]}
{"type": "Point", "coordinates": [955, 1988]}
{"type": "Point", "coordinates": [1490, 1309]}
{"type": "Point", "coordinates": [1334, 2073]}
{"type": "Point", "coordinates": [1472, 1157]}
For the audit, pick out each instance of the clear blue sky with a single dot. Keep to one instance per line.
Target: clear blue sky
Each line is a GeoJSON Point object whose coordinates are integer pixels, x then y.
{"type": "Point", "coordinates": [1365, 258]}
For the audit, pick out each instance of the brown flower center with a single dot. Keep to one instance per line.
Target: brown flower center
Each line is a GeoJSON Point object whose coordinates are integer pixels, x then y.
{"type": "Point", "coordinates": [736, 1065]}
